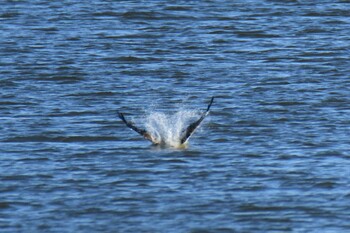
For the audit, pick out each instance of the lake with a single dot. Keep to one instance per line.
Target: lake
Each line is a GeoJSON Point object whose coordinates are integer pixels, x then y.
{"type": "Point", "coordinates": [272, 155]}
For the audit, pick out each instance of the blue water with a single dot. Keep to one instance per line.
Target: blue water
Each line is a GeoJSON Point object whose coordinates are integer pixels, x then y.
{"type": "Point", "coordinates": [272, 156]}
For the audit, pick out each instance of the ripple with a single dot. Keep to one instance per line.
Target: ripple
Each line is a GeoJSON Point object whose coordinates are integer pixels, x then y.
{"type": "Point", "coordinates": [273, 155]}
{"type": "Point", "coordinates": [68, 139]}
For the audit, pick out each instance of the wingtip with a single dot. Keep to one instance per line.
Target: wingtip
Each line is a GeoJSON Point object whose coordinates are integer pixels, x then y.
{"type": "Point", "coordinates": [121, 116]}
{"type": "Point", "coordinates": [210, 103]}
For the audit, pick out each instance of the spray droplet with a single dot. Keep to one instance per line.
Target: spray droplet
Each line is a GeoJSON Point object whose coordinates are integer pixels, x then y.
{"type": "Point", "coordinates": [169, 128]}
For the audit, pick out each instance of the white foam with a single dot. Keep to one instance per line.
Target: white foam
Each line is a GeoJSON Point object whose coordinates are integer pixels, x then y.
{"type": "Point", "coordinates": [169, 128]}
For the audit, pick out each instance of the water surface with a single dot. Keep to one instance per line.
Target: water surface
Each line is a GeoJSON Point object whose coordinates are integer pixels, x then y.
{"type": "Point", "coordinates": [273, 156]}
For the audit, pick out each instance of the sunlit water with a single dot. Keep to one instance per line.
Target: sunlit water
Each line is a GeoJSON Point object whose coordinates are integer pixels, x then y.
{"type": "Point", "coordinates": [272, 156]}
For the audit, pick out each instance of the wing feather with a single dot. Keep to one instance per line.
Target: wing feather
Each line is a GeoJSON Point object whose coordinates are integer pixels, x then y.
{"type": "Point", "coordinates": [131, 125]}
{"type": "Point", "coordinates": [193, 126]}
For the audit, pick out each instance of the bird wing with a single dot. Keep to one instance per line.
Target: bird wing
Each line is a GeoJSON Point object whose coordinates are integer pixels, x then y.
{"type": "Point", "coordinates": [131, 125]}
{"type": "Point", "coordinates": [193, 126]}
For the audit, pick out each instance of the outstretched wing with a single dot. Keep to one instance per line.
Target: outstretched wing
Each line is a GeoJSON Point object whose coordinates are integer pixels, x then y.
{"type": "Point", "coordinates": [192, 127]}
{"type": "Point", "coordinates": [131, 125]}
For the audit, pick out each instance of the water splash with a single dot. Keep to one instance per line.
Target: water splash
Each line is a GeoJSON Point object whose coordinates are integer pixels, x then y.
{"type": "Point", "coordinates": [168, 129]}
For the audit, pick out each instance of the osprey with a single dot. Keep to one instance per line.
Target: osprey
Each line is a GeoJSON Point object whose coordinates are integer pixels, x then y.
{"type": "Point", "coordinates": [184, 136]}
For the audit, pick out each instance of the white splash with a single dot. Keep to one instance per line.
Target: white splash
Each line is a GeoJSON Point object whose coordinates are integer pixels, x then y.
{"type": "Point", "coordinates": [168, 129]}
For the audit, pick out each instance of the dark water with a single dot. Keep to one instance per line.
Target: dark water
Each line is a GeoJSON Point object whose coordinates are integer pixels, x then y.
{"type": "Point", "coordinates": [272, 157]}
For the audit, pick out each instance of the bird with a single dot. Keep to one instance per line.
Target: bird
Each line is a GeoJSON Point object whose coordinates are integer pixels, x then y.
{"type": "Point", "coordinates": [185, 134]}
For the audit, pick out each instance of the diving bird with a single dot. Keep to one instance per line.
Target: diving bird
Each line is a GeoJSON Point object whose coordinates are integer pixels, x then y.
{"type": "Point", "coordinates": [184, 135]}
